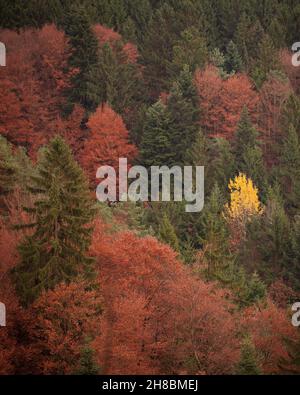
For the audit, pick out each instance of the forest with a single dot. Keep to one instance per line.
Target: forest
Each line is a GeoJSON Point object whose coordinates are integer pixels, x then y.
{"type": "Point", "coordinates": [120, 288]}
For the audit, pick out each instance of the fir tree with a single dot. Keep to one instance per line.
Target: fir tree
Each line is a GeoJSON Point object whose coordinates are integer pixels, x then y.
{"type": "Point", "coordinates": [248, 34]}
{"type": "Point", "coordinates": [248, 361]}
{"type": "Point", "coordinates": [273, 236]}
{"type": "Point", "coordinates": [290, 169]}
{"type": "Point", "coordinates": [183, 107]}
{"type": "Point", "coordinates": [214, 235]}
{"type": "Point", "coordinates": [233, 60]}
{"type": "Point", "coordinates": [8, 168]}
{"type": "Point", "coordinates": [254, 291]}
{"type": "Point", "coordinates": [267, 61]}
{"type": "Point", "coordinates": [57, 249]}
{"type": "Point", "coordinates": [156, 148]}
{"type": "Point", "coordinates": [248, 154]}
{"type": "Point", "coordinates": [190, 50]}
{"type": "Point", "coordinates": [167, 233]}
{"type": "Point", "coordinates": [88, 88]}
{"type": "Point", "coordinates": [15, 170]}
{"type": "Point", "coordinates": [123, 87]}
{"type": "Point", "coordinates": [221, 164]}
{"type": "Point", "coordinates": [87, 364]}
{"type": "Point", "coordinates": [294, 267]}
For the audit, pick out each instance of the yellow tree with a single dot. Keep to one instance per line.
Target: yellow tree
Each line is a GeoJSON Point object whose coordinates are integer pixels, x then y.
{"type": "Point", "coordinates": [244, 204]}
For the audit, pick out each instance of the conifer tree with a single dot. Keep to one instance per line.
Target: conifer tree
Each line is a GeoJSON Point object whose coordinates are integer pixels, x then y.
{"type": "Point", "coordinates": [267, 60]}
{"type": "Point", "coordinates": [8, 167]}
{"type": "Point", "coordinates": [222, 163]}
{"type": "Point", "coordinates": [57, 249]}
{"type": "Point", "coordinates": [190, 50]}
{"type": "Point", "coordinates": [248, 361]}
{"type": "Point", "coordinates": [183, 107]}
{"type": "Point", "coordinates": [233, 60]}
{"type": "Point", "coordinates": [214, 235]}
{"type": "Point", "coordinates": [248, 154]}
{"type": "Point", "coordinates": [167, 233]}
{"type": "Point", "coordinates": [273, 239]}
{"type": "Point", "coordinates": [291, 113]}
{"type": "Point", "coordinates": [294, 266]}
{"type": "Point", "coordinates": [290, 169]}
{"type": "Point", "coordinates": [87, 365]}
{"type": "Point", "coordinates": [248, 34]}
{"type": "Point", "coordinates": [15, 170]}
{"type": "Point", "coordinates": [156, 148]}
{"type": "Point", "coordinates": [87, 87]}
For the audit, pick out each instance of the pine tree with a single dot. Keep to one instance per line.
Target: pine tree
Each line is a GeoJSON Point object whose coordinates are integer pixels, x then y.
{"type": "Point", "coordinates": [57, 249]}
{"type": "Point", "coordinates": [254, 291]}
{"type": "Point", "coordinates": [267, 61]}
{"type": "Point", "coordinates": [233, 60]}
{"type": "Point", "coordinates": [214, 234]}
{"type": "Point", "coordinates": [248, 361]}
{"type": "Point", "coordinates": [183, 107]}
{"type": "Point", "coordinates": [15, 170]}
{"type": "Point", "coordinates": [156, 148]}
{"type": "Point", "coordinates": [291, 114]}
{"type": "Point", "coordinates": [87, 365]}
{"type": "Point", "coordinates": [87, 87]}
{"type": "Point", "coordinates": [167, 233]}
{"type": "Point", "coordinates": [120, 78]}
{"type": "Point", "coordinates": [221, 163]}
{"type": "Point", "coordinates": [190, 50]}
{"type": "Point", "coordinates": [273, 239]}
{"type": "Point", "coordinates": [248, 34]}
{"type": "Point", "coordinates": [8, 168]}
{"type": "Point", "coordinates": [290, 169]}
{"type": "Point", "coordinates": [294, 267]}
{"type": "Point", "coordinates": [248, 154]}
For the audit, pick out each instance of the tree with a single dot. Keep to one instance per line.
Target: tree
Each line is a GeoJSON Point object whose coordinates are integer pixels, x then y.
{"type": "Point", "coordinates": [244, 201]}
{"type": "Point", "coordinates": [165, 297]}
{"type": "Point", "coordinates": [295, 252]}
{"type": "Point", "coordinates": [156, 147]}
{"type": "Point", "coordinates": [183, 107]}
{"type": "Point", "coordinates": [268, 326]}
{"type": "Point", "coordinates": [190, 50]}
{"type": "Point", "coordinates": [248, 34]}
{"type": "Point", "coordinates": [270, 237]}
{"type": "Point", "coordinates": [248, 363]}
{"type": "Point", "coordinates": [107, 141]}
{"type": "Point", "coordinates": [273, 97]}
{"type": "Point", "coordinates": [290, 168]}
{"type": "Point", "coordinates": [233, 59]}
{"type": "Point", "coordinates": [167, 233]}
{"type": "Point", "coordinates": [62, 211]}
{"type": "Point", "coordinates": [248, 153]}
{"type": "Point", "coordinates": [214, 235]}
{"type": "Point", "coordinates": [244, 206]}
{"type": "Point", "coordinates": [62, 320]}
{"type": "Point", "coordinates": [8, 168]}
{"type": "Point", "coordinates": [267, 60]}
{"type": "Point", "coordinates": [222, 101]}
{"type": "Point", "coordinates": [86, 85]}
{"type": "Point", "coordinates": [222, 163]}
{"type": "Point", "coordinates": [87, 367]}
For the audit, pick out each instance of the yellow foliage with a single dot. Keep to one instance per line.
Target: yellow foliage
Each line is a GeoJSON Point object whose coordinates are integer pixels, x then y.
{"type": "Point", "coordinates": [244, 201]}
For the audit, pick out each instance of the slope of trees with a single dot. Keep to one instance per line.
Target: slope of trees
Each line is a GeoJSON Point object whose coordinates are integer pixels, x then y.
{"type": "Point", "coordinates": [146, 288]}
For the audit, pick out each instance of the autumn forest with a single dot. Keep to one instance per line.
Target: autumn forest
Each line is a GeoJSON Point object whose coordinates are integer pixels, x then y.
{"type": "Point", "coordinates": [122, 287]}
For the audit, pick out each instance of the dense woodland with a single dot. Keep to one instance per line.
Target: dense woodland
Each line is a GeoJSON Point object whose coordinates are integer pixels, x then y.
{"type": "Point", "coordinates": [129, 288]}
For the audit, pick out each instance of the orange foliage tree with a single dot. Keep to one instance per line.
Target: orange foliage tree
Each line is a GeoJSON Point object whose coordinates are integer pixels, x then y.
{"type": "Point", "coordinates": [157, 316]}
{"type": "Point", "coordinates": [34, 82]}
{"type": "Point", "coordinates": [269, 327]}
{"type": "Point", "coordinates": [107, 141]}
{"type": "Point", "coordinates": [222, 101]}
